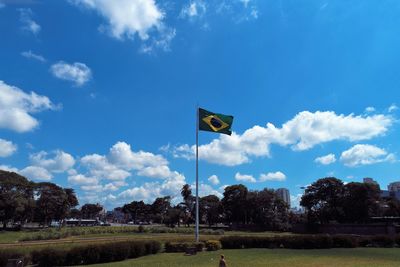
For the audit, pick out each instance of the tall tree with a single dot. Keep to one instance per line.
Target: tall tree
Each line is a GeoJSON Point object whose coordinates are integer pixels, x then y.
{"type": "Point", "coordinates": [360, 202]}
{"type": "Point", "coordinates": [52, 202]}
{"type": "Point", "coordinates": [91, 211]}
{"type": "Point", "coordinates": [210, 209]}
{"type": "Point", "coordinates": [16, 197]}
{"type": "Point", "coordinates": [138, 210]}
{"type": "Point", "coordinates": [160, 207]}
{"type": "Point", "coordinates": [323, 200]}
{"type": "Point", "coordinates": [234, 203]}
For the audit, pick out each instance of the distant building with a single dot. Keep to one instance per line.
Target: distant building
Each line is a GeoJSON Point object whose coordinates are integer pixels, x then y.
{"type": "Point", "coordinates": [283, 194]}
{"type": "Point", "coordinates": [394, 187]}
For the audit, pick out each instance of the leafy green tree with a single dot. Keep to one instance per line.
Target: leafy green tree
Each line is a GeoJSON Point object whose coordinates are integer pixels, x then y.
{"type": "Point", "coordinates": [160, 207]}
{"type": "Point", "coordinates": [210, 209]}
{"type": "Point", "coordinates": [91, 211]}
{"type": "Point", "coordinates": [52, 202]}
{"type": "Point", "coordinates": [138, 210]}
{"type": "Point", "coordinates": [234, 203]}
{"type": "Point", "coordinates": [188, 206]}
{"type": "Point", "coordinates": [16, 197]}
{"type": "Point", "coordinates": [360, 202]}
{"type": "Point", "coordinates": [323, 200]}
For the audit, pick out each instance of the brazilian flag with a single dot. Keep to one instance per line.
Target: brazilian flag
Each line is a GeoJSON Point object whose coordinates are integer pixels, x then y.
{"type": "Point", "coordinates": [214, 122]}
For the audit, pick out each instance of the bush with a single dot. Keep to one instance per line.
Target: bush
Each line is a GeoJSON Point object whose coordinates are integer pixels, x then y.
{"type": "Point", "coordinates": [183, 246]}
{"type": "Point", "coordinates": [97, 253]}
{"type": "Point", "coordinates": [6, 255]}
{"type": "Point", "coordinates": [292, 242]}
{"type": "Point", "coordinates": [213, 245]}
{"type": "Point", "coordinates": [345, 241]}
{"type": "Point", "coordinates": [48, 257]}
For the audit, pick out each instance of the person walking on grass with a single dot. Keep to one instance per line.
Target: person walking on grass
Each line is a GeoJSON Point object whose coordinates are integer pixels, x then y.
{"type": "Point", "coordinates": [222, 262]}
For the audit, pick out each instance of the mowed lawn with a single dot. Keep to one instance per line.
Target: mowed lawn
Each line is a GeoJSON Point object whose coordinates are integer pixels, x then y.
{"type": "Point", "coordinates": [357, 257]}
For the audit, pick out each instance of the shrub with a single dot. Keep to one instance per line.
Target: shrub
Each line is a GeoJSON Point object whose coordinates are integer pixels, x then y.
{"type": "Point", "coordinates": [6, 255]}
{"type": "Point", "coordinates": [213, 245]}
{"type": "Point", "coordinates": [48, 257]}
{"type": "Point", "coordinates": [345, 241]}
{"type": "Point", "coordinates": [291, 241]}
{"type": "Point", "coordinates": [183, 246]}
{"type": "Point", "coordinates": [96, 253]}
{"type": "Point", "coordinates": [383, 241]}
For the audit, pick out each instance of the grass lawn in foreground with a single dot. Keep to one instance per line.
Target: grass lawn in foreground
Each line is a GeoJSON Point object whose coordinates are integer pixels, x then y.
{"type": "Point", "coordinates": [357, 257]}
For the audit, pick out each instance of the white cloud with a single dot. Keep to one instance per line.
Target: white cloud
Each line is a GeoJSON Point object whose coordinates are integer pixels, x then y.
{"type": "Point", "coordinates": [16, 108]}
{"type": "Point", "coordinates": [273, 176]}
{"type": "Point", "coordinates": [127, 18]}
{"type": "Point", "coordinates": [60, 162]}
{"type": "Point", "coordinates": [150, 191]}
{"type": "Point", "coordinates": [245, 2]}
{"type": "Point", "coordinates": [29, 54]}
{"type": "Point", "coordinates": [122, 155]}
{"type": "Point", "coordinates": [77, 72]}
{"type": "Point", "coordinates": [393, 108]}
{"type": "Point", "coordinates": [365, 155]}
{"type": "Point", "coordinates": [326, 160]}
{"type": "Point", "coordinates": [370, 109]}
{"type": "Point", "coordinates": [8, 168]}
{"type": "Point", "coordinates": [193, 9]}
{"type": "Point", "coordinates": [28, 24]}
{"type": "Point", "coordinates": [303, 132]}
{"type": "Point", "coordinates": [80, 179]}
{"type": "Point", "coordinates": [7, 148]}
{"type": "Point", "coordinates": [100, 167]}
{"type": "Point", "coordinates": [155, 172]}
{"type": "Point", "coordinates": [295, 201]}
{"type": "Point", "coordinates": [244, 178]}
{"type": "Point", "coordinates": [36, 173]}
{"type": "Point", "coordinates": [213, 179]}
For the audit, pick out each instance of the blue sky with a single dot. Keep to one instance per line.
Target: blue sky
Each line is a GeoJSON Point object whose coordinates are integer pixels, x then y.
{"type": "Point", "coordinates": [100, 95]}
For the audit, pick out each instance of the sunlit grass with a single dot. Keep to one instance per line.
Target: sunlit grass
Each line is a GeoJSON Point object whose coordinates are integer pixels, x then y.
{"type": "Point", "coordinates": [358, 257]}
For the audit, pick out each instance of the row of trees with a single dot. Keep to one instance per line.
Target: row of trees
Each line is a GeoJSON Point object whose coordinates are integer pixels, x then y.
{"type": "Point", "coordinates": [22, 200]}
{"type": "Point", "coordinates": [238, 206]}
{"type": "Point", "coordinates": [329, 199]}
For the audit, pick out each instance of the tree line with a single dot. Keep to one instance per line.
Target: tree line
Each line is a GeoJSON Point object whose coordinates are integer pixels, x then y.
{"type": "Point", "coordinates": [330, 200]}
{"type": "Point", "coordinates": [239, 206]}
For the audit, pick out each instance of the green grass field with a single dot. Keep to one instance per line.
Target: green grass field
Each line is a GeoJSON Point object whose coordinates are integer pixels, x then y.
{"type": "Point", "coordinates": [358, 257]}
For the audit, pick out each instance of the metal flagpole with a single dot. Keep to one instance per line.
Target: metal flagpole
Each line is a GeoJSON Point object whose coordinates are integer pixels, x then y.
{"type": "Point", "coordinates": [197, 174]}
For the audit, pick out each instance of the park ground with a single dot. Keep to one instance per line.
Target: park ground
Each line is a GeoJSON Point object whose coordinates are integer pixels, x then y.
{"type": "Point", "coordinates": [357, 257]}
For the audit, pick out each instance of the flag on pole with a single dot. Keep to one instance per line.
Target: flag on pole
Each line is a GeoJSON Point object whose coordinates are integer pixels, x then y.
{"type": "Point", "coordinates": [214, 122]}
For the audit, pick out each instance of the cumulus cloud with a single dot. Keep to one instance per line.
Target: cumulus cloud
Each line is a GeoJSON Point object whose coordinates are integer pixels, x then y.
{"type": "Point", "coordinates": [28, 24]}
{"type": "Point", "coordinates": [362, 154]}
{"type": "Point", "coordinates": [393, 108]}
{"type": "Point", "coordinates": [193, 9]}
{"type": "Point", "coordinates": [370, 109]}
{"type": "Point", "coordinates": [57, 161]}
{"type": "Point", "coordinates": [8, 168]}
{"type": "Point", "coordinates": [273, 176]}
{"type": "Point", "coordinates": [16, 108]}
{"type": "Point", "coordinates": [77, 72]}
{"type": "Point", "coordinates": [29, 54]}
{"type": "Point", "coordinates": [36, 173]}
{"type": "Point", "coordinates": [213, 179]}
{"type": "Point", "coordinates": [80, 179]}
{"type": "Point", "coordinates": [126, 19]}
{"type": "Point", "coordinates": [105, 173]}
{"type": "Point", "coordinates": [244, 178]}
{"type": "Point", "coordinates": [326, 160]}
{"type": "Point", "coordinates": [303, 132]}
{"type": "Point", "coordinates": [7, 148]}
{"type": "Point", "coordinates": [170, 186]}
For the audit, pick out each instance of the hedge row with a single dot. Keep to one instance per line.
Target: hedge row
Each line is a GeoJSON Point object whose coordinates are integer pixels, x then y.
{"type": "Point", "coordinates": [309, 241]}
{"type": "Point", "coordinates": [97, 253]}
{"type": "Point", "coordinates": [53, 233]}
